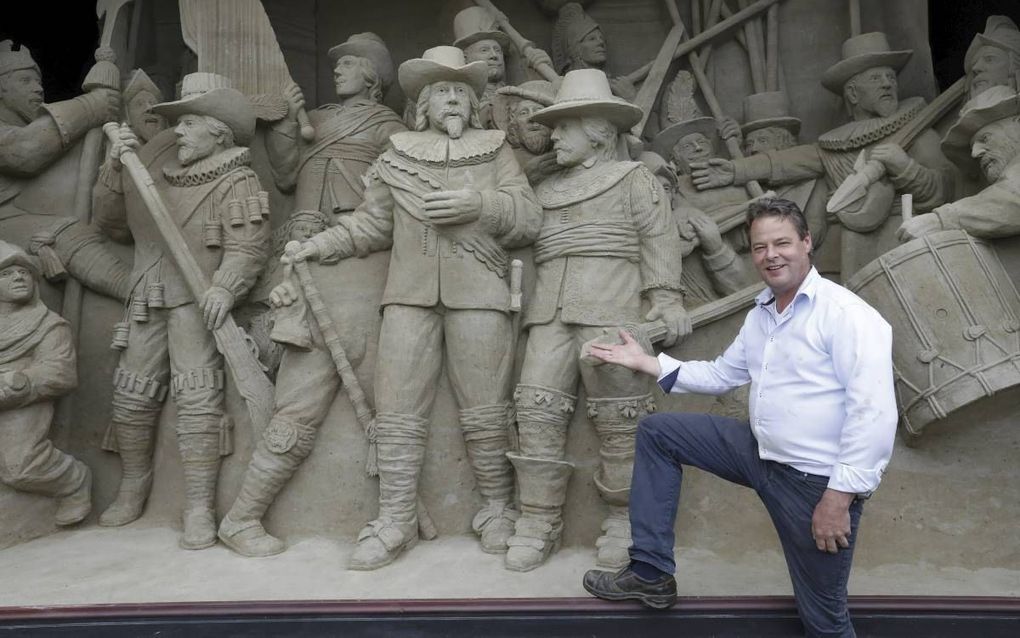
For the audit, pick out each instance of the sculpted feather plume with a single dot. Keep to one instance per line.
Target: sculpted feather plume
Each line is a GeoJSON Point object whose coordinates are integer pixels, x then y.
{"type": "Point", "coordinates": [678, 104]}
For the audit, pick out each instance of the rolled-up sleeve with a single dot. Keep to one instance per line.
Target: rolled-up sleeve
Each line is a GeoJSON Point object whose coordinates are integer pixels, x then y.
{"type": "Point", "coordinates": [726, 372]}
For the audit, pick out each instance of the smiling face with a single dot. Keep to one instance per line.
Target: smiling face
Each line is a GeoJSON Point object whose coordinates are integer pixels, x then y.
{"type": "Point", "coordinates": [491, 53]}
{"type": "Point", "coordinates": [523, 132]}
{"type": "Point", "coordinates": [991, 68]}
{"type": "Point", "coordinates": [996, 146]}
{"type": "Point", "coordinates": [873, 93]}
{"type": "Point", "coordinates": [693, 147]}
{"type": "Point", "coordinates": [781, 256]}
{"type": "Point", "coordinates": [21, 91]}
{"type": "Point", "coordinates": [17, 285]}
{"type": "Point", "coordinates": [142, 120]}
{"type": "Point", "coordinates": [195, 139]}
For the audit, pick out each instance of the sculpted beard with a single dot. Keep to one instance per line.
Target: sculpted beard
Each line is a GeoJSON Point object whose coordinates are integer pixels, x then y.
{"type": "Point", "coordinates": [535, 140]}
{"type": "Point", "coordinates": [453, 122]}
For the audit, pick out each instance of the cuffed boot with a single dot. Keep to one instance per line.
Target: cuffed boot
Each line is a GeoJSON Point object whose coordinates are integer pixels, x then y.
{"type": "Point", "coordinates": [487, 439]}
{"type": "Point", "coordinates": [400, 450]}
{"type": "Point", "coordinates": [137, 401]}
{"type": "Point", "coordinates": [284, 445]}
{"type": "Point", "coordinates": [615, 421]}
{"type": "Point", "coordinates": [200, 457]}
{"type": "Point", "coordinates": [543, 485]}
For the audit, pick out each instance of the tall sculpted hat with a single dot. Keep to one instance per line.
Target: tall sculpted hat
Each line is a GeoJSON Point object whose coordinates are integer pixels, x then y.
{"type": "Point", "coordinates": [371, 47]}
{"type": "Point", "coordinates": [139, 82]}
{"type": "Point", "coordinates": [762, 110]}
{"type": "Point", "coordinates": [1000, 32]}
{"type": "Point", "coordinates": [571, 26]}
{"type": "Point", "coordinates": [994, 104]}
{"type": "Point", "coordinates": [440, 64]}
{"type": "Point", "coordinates": [213, 95]}
{"type": "Point", "coordinates": [11, 60]}
{"type": "Point", "coordinates": [586, 93]}
{"type": "Point", "coordinates": [860, 53]}
{"type": "Point", "coordinates": [475, 24]}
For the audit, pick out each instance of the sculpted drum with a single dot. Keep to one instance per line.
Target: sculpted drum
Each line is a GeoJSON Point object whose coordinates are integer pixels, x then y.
{"type": "Point", "coordinates": [954, 314]}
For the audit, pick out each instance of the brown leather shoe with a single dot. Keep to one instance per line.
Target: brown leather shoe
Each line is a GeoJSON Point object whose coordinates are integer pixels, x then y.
{"type": "Point", "coordinates": [625, 585]}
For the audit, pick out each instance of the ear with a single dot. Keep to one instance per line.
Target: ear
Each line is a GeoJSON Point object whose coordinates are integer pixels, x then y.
{"type": "Point", "coordinates": [850, 92]}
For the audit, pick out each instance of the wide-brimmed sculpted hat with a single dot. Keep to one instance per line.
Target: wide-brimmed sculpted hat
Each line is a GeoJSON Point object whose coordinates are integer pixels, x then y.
{"type": "Point", "coordinates": [371, 47]}
{"type": "Point", "coordinates": [12, 255]}
{"type": "Point", "coordinates": [475, 24]}
{"type": "Point", "coordinates": [586, 93]}
{"type": "Point", "coordinates": [668, 137]}
{"type": "Point", "coordinates": [11, 60]}
{"type": "Point", "coordinates": [1000, 32]}
{"type": "Point", "coordinates": [862, 52]}
{"type": "Point", "coordinates": [213, 95]}
{"type": "Point", "coordinates": [996, 103]}
{"type": "Point", "coordinates": [539, 91]}
{"type": "Point", "coordinates": [762, 110]}
{"type": "Point", "coordinates": [441, 64]}
{"type": "Point", "coordinates": [139, 82]}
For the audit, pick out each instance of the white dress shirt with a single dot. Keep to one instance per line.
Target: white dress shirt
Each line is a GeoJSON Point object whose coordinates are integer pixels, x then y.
{"type": "Point", "coordinates": [822, 396]}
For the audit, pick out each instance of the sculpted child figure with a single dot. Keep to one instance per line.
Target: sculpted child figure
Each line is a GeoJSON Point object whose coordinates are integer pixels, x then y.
{"type": "Point", "coordinates": [37, 365]}
{"type": "Point", "coordinates": [449, 200]}
{"type": "Point", "coordinates": [607, 243]}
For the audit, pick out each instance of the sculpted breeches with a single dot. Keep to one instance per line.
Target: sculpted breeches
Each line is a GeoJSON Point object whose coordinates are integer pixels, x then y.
{"type": "Point", "coordinates": [29, 461]}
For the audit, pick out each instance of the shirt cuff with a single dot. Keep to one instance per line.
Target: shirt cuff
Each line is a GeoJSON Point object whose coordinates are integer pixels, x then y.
{"type": "Point", "coordinates": [669, 368]}
{"type": "Point", "coordinates": [855, 480]}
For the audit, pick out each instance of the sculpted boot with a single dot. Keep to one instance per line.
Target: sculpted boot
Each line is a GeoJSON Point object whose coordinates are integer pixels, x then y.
{"type": "Point", "coordinates": [137, 401]}
{"type": "Point", "coordinates": [400, 446]}
{"type": "Point", "coordinates": [543, 484]}
{"type": "Point", "coordinates": [284, 445]}
{"type": "Point", "coordinates": [74, 507]}
{"type": "Point", "coordinates": [200, 457]}
{"type": "Point", "coordinates": [615, 420]}
{"type": "Point", "coordinates": [486, 436]}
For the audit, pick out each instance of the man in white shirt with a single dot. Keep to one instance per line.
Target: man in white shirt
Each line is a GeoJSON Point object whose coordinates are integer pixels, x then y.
{"type": "Point", "coordinates": [823, 421]}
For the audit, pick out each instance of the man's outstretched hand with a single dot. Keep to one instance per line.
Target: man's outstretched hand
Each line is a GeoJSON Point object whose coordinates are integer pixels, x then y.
{"type": "Point", "coordinates": [628, 354]}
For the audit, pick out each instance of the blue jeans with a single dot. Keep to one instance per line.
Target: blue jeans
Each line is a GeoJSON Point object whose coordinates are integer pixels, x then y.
{"type": "Point", "coordinates": [725, 447]}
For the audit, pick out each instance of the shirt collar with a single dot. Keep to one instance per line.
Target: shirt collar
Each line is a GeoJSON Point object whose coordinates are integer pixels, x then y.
{"type": "Point", "coordinates": [808, 288]}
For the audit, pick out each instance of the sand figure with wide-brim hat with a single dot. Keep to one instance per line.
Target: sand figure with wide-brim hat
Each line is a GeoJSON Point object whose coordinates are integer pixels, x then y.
{"type": "Point", "coordinates": [866, 78]}
{"type": "Point", "coordinates": [37, 366]}
{"type": "Point", "coordinates": [448, 199]}
{"type": "Point", "coordinates": [985, 139]}
{"type": "Point", "coordinates": [201, 169]}
{"type": "Point", "coordinates": [607, 242]}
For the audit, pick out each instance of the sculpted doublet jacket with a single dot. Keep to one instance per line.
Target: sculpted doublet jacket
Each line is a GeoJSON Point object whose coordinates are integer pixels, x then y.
{"type": "Point", "coordinates": [461, 266]}
{"type": "Point", "coordinates": [607, 237]}
{"type": "Point", "coordinates": [229, 241]}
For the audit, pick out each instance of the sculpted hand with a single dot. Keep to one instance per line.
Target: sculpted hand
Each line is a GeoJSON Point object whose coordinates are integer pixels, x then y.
{"type": "Point", "coordinates": [107, 104]}
{"type": "Point", "coordinates": [715, 173]}
{"type": "Point", "coordinates": [671, 312]}
{"type": "Point", "coordinates": [126, 141]}
{"type": "Point", "coordinates": [919, 227]}
{"type": "Point", "coordinates": [622, 87]}
{"type": "Point", "coordinates": [299, 251]}
{"type": "Point", "coordinates": [536, 57]}
{"type": "Point", "coordinates": [893, 156]}
{"type": "Point", "coordinates": [13, 387]}
{"type": "Point", "coordinates": [728, 127]}
{"type": "Point", "coordinates": [628, 354]}
{"type": "Point", "coordinates": [708, 232]}
{"type": "Point", "coordinates": [284, 294]}
{"type": "Point", "coordinates": [540, 167]}
{"type": "Point", "coordinates": [830, 524]}
{"type": "Point", "coordinates": [295, 100]}
{"type": "Point", "coordinates": [453, 207]}
{"type": "Point", "coordinates": [216, 305]}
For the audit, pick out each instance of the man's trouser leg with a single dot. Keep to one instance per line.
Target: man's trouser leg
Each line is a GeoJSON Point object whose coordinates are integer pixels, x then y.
{"type": "Point", "coordinates": [305, 386]}
{"type": "Point", "coordinates": [480, 362]}
{"type": "Point", "coordinates": [725, 447]}
{"type": "Point", "coordinates": [85, 254]}
{"type": "Point", "coordinates": [139, 388]}
{"type": "Point", "coordinates": [544, 403]}
{"type": "Point", "coordinates": [29, 462]}
{"type": "Point", "coordinates": [617, 399]}
{"type": "Point", "coordinates": [407, 372]}
{"type": "Point", "coordinates": [203, 431]}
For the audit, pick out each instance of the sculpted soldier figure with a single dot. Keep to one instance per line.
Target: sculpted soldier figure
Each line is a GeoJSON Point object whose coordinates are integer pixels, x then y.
{"type": "Point", "coordinates": [475, 31]}
{"type": "Point", "coordinates": [327, 174]}
{"type": "Point", "coordinates": [37, 365]}
{"type": "Point", "coordinates": [987, 136]}
{"type": "Point", "coordinates": [223, 215]}
{"type": "Point", "coordinates": [33, 135]}
{"type": "Point", "coordinates": [578, 43]}
{"type": "Point", "coordinates": [993, 58]}
{"type": "Point", "coordinates": [607, 242]}
{"type": "Point", "coordinates": [450, 199]}
{"type": "Point", "coordinates": [512, 109]}
{"type": "Point", "coordinates": [866, 78]}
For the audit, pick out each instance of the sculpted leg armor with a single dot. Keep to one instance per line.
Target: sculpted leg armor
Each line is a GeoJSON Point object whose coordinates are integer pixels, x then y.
{"type": "Point", "coordinates": [615, 421]}
{"type": "Point", "coordinates": [542, 417]}
{"type": "Point", "coordinates": [400, 448]}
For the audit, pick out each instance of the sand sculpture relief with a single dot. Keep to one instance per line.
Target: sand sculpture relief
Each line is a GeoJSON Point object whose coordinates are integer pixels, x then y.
{"type": "Point", "coordinates": [279, 263]}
